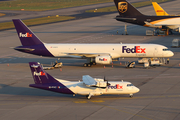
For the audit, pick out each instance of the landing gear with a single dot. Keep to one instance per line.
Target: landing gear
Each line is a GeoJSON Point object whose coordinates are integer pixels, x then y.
{"type": "Point", "coordinates": [130, 95]}
{"type": "Point", "coordinates": [88, 96]}
{"type": "Point", "coordinates": [87, 64]}
{"type": "Point", "coordinates": [90, 62]}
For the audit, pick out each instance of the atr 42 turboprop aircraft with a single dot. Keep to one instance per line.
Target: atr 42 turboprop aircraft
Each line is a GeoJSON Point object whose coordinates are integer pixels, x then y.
{"type": "Point", "coordinates": [94, 53]}
{"type": "Point", "coordinates": [89, 86]}
{"type": "Point", "coordinates": [129, 14]}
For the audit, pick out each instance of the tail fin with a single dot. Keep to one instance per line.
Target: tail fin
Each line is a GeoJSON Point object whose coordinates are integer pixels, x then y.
{"type": "Point", "coordinates": [26, 36]}
{"type": "Point", "coordinates": [40, 76]}
{"type": "Point", "coordinates": [125, 9]}
{"type": "Point", "coordinates": [159, 10]}
{"type": "Point", "coordinates": [45, 81]}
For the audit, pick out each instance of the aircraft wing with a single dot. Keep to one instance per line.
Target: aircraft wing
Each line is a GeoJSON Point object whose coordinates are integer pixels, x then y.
{"type": "Point", "coordinates": [88, 54]}
{"type": "Point", "coordinates": [124, 18]}
{"type": "Point", "coordinates": [88, 80]}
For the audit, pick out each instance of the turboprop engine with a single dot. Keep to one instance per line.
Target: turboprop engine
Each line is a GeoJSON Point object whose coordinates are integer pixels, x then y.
{"type": "Point", "coordinates": [103, 59]}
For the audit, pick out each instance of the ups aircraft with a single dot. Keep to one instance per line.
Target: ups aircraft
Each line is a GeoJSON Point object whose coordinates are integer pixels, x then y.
{"type": "Point", "coordinates": [88, 86]}
{"type": "Point", "coordinates": [94, 53]}
{"type": "Point", "coordinates": [129, 14]}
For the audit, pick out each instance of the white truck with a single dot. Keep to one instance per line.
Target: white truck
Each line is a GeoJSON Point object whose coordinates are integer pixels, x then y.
{"type": "Point", "coordinates": [175, 43]}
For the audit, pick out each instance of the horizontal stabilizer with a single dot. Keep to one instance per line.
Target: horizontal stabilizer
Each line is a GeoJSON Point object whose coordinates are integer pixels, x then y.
{"type": "Point", "coordinates": [24, 49]}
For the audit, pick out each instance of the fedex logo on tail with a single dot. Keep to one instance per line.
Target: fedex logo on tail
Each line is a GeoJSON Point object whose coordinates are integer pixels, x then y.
{"type": "Point", "coordinates": [136, 49]}
{"type": "Point", "coordinates": [25, 35]}
{"type": "Point", "coordinates": [39, 74]}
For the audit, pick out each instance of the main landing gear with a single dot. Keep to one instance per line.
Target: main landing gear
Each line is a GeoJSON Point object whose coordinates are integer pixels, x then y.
{"type": "Point", "coordinates": [130, 95]}
{"type": "Point", "coordinates": [89, 64]}
{"type": "Point", "coordinates": [88, 96]}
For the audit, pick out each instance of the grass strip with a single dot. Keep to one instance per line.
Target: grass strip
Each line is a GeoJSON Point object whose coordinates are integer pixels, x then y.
{"type": "Point", "coordinates": [42, 5]}
{"type": "Point", "coordinates": [36, 21]}
{"type": "Point", "coordinates": [138, 4]}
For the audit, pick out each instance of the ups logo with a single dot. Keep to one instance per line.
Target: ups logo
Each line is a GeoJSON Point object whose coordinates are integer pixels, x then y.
{"type": "Point", "coordinates": [122, 7]}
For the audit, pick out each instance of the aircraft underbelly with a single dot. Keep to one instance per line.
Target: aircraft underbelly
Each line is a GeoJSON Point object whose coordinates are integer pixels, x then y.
{"type": "Point", "coordinates": [167, 22]}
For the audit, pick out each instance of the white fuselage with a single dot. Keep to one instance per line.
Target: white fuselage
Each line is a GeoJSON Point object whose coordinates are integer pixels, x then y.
{"type": "Point", "coordinates": [113, 50]}
{"type": "Point", "coordinates": [172, 23]}
{"type": "Point", "coordinates": [80, 88]}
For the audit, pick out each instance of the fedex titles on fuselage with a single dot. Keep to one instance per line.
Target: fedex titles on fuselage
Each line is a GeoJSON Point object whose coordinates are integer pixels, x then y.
{"type": "Point", "coordinates": [117, 86]}
{"type": "Point", "coordinates": [136, 49]}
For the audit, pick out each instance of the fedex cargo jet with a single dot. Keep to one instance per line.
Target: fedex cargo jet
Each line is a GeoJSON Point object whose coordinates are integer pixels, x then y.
{"type": "Point", "coordinates": [129, 14]}
{"type": "Point", "coordinates": [94, 53]}
{"type": "Point", "coordinates": [88, 86]}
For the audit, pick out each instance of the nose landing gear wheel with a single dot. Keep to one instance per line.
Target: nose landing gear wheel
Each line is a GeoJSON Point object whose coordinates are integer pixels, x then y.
{"type": "Point", "coordinates": [130, 95]}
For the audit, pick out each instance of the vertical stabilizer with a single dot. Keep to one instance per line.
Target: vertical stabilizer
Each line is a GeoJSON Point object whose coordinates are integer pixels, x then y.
{"type": "Point", "coordinates": [125, 9]}
{"type": "Point", "coordinates": [45, 81]}
{"type": "Point", "coordinates": [159, 10]}
{"type": "Point", "coordinates": [40, 76]}
{"type": "Point", "coordinates": [26, 36]}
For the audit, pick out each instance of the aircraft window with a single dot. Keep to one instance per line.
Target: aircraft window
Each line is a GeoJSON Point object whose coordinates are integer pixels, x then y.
{"type": "Point", "coordinates": [166, 49]}
{"type": "Point", "coordinates": [129, 85]}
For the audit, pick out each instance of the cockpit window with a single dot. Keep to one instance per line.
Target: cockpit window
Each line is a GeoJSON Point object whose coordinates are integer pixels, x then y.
{"type": "Point", "coordinates": [166, 49]}
{"type": "Point", "coordinates": [128, 85]}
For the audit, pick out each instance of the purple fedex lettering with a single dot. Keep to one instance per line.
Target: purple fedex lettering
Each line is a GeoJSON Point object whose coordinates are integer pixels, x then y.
{"type": "Point", "coordinates": [136, 49]}
{"type": "Point", "coordinates": [117, 86]}
{"type": "Point", "coordinates": [129, 50]}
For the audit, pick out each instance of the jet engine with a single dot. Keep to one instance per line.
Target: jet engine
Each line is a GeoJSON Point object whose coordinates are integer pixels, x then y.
{"type": "Point", "coordinates": [103, 59]}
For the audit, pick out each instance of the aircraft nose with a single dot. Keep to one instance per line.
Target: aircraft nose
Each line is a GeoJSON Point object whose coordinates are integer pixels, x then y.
{"type": "Point", "coordinates": [171, 54]}
{"type": "Point", "coordinates": [137, 89]}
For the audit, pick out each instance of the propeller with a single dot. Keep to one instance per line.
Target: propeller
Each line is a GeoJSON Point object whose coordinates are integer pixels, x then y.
{"type": "Point", "coordinates": [106, 81]}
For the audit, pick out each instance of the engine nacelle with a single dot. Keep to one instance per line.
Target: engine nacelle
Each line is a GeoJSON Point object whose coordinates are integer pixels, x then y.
{"type": "Point", "coordinates": [101, 84]}
{"type": "Point", "coordinates": [103, 59]}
